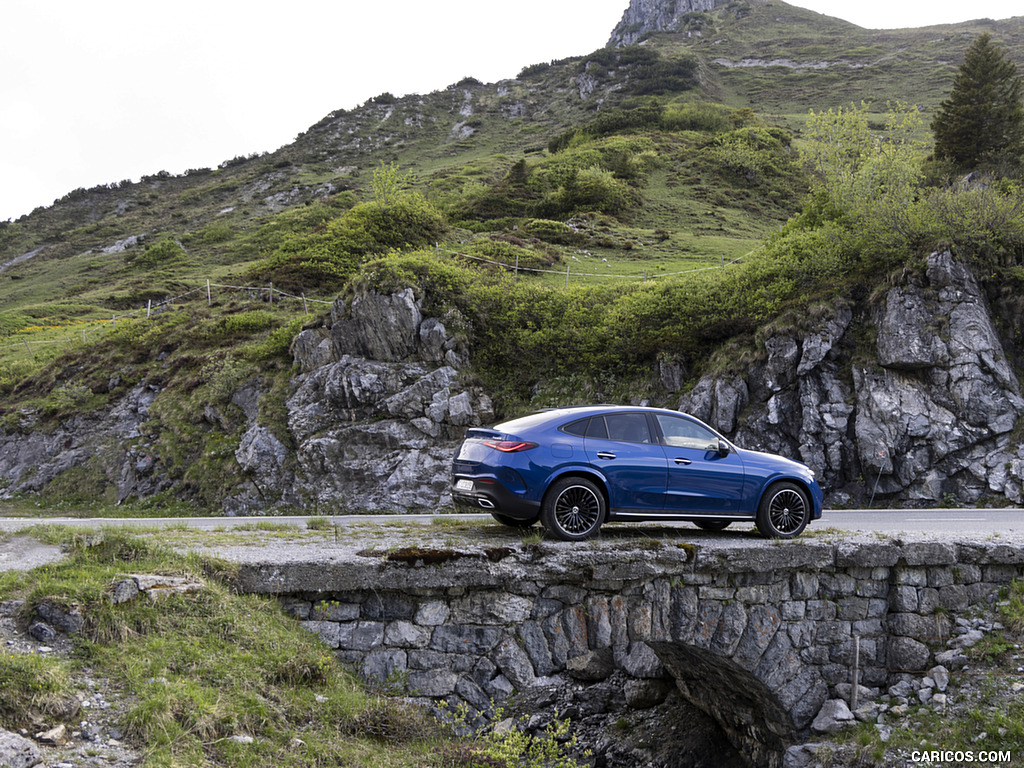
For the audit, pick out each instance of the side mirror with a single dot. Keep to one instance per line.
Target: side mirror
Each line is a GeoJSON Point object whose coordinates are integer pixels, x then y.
{"type": "Point", "coordinates": [723, 448]}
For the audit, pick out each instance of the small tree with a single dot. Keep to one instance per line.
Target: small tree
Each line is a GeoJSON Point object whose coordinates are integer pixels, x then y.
{"type": "Point", "coordinates": [388, 183]}
{"type": "Point", "coordinates": [981, 124]}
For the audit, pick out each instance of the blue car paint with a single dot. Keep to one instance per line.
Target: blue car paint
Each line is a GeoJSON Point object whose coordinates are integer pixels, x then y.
{"type": "Point", "coordinates": [641, 481]}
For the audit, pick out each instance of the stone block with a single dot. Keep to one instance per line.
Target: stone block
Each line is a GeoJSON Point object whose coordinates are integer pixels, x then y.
{"type": "Point", "coordinates": [708, 616]}
{"type": "Point", "coordinates": [929, 553]}
{"type": "Point", "coordinates": [911, 577]}
{"type": "Point", "coordinates": [491, 608]}
{"type": "Point", "coordinates": [296, 607]}
{"type": "Point", "coordinates": [762, 624]}
{"type": "Point", "coordinates": [794, 610]}
{"type": "Point", "coordinates": [851, 608]}
{"type": "Point", "coordinates": [599, 627]}
{"type": "Point", "coordinates": [574, 626]}
{"type": "Point", "coordinates": [387, 607]}
{"type": "Point", "coordinates": [954, 598]}
{"type": "Point", "coordinates": [928, 600]}
{"type": "Point", "coordinates": [432, 613]}
{"type": "Point", "coordinates": [472, 694]}
{"type": "Point", "coordinates": [821, 610]}
{"type": "Point", "coordinates": [558, 643]}
{"type": "Point", "coordinates": [915, 625]}
{"type": "Point", "coordinates": [536, 647]}
{"type": "Point", "coordinates": [873, 587]}
{"type": "Point", "coordinates": [332, 610]}
{"type": "Point", "coordinates": [457, 638]}
{"type": "Point", "coordinates": [964, 573]}
{"type": "Point", "coordinates": [434, 683]}
{"type": "Point", "coordinates": [803, 586]}
{"type": "Point", "coordinates": [17, 751]}
{"type": "Point", "coordinates": [328, 631]}
{"type": "Point", "coordinates": [638, 660]}
{"type": "Point", "coordinates": [500, 688]}
{"type": "Point", "coordinates": [360, 635]}
{"type": "Point", "coordinates": [877, 608]}
{"type": "Point", "coordinates": [940, 577]}
{"type": "Point", "coordinates": [683, 613]}
{"type": "Point", "coordinates": [383, 664]}
{"type": "Point", "coordinates": [731, 624]}
{"type": "Point", "coordinates": [903, 599]}
{"type": "Point", "coordinates": [904, 654]}
{"type": "Point", "coordinates": [640, 620]}
{"type": "Point", "coordinates": [833, 717]}
{"type": "Point", "coordinates": [405, 634]}
{"type": "Point", "coordinates": [837, 585]}
{"type": "Point", "coordinates": [831, 632]}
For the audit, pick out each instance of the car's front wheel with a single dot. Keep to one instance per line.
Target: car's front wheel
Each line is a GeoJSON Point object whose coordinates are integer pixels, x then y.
{"type": "Point", "coordinates": [573, 509]}
{"type": "Point", "coordinates": [784, 511]}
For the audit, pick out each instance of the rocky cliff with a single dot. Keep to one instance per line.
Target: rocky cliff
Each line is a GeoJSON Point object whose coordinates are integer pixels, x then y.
{"type": "Point", "coordinates": [645, 16]}
{"type": "Point", "coordinates": [909, 396]}
{"type": "Point", "coordinates": [912, 397]}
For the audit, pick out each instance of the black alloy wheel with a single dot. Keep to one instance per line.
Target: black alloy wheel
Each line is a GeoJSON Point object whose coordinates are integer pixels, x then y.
{"type": "Point", "coordinates": [784, 511]}
{"type": "Point", "coordinates": [573, 509]}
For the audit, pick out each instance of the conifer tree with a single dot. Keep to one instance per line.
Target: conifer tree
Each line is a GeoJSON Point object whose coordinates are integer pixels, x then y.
{"type": "Point", "coordinates": [981, 124]}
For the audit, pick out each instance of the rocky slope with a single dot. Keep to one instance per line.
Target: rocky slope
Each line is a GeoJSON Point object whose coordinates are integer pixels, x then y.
{"type": "Point", "coordinates": [912, 397]}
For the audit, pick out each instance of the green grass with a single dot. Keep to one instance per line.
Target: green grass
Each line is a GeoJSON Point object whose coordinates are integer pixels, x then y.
{"type": "Point", "coordinates": [202, 668]}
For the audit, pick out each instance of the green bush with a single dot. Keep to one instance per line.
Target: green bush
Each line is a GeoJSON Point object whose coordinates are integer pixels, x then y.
{"type": "Point", "coordinates": [164, 253]}
{"type": "Point", "coordinates": [326, 258]}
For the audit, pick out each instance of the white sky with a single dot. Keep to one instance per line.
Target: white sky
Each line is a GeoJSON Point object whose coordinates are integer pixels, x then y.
{"type": "Point", "coordinates": [96, 91]}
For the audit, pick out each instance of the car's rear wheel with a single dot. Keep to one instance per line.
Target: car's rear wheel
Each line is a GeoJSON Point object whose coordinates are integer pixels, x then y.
{"type": "Point", "coordinates": [513, 522]}
{"type": "Point", "coordinates": [574, 509]}
{"type": "Point", "coordinates": [712, 525]}
{"type": "Point", "coordinates": [784, 511]}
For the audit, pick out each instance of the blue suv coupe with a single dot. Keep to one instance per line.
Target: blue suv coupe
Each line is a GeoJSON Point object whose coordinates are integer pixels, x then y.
{"type": "Point", "coordinates": [577, 468]}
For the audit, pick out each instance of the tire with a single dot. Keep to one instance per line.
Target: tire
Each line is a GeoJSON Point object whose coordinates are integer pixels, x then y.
{"type": "Point", "coordinates": [573, 509]}
{"type": "Point", "coordinates": [512, 522]}
{"type": "Point", "coordinates": [712, 525]}
{"type": "Point", "coordinates": [784, 511]}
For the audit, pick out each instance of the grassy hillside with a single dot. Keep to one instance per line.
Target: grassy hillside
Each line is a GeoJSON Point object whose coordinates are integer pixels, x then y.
{"type": "Point", "coordinates": [591, 219]}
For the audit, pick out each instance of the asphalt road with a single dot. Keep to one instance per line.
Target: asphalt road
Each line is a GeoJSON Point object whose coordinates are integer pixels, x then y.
{"type": "Point", "coordinates": [974, 522]}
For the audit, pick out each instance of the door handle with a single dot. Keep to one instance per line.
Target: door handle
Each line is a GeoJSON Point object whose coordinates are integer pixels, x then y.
{"type": "Point", "coordinates": [605, 455]}
{"type": "Point", "coordinates": [684, 462]}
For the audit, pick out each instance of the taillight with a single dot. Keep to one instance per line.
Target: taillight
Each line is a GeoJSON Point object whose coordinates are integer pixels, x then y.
{"type": "Point", "coordinates": [509, 446]}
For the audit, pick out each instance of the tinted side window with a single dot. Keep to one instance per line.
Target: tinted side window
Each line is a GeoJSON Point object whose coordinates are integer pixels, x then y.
{"type": "Point", "coordinates": [578, 428]}
{"type": "Point", "coordinates": [683, 433]}
{"type": "Point", "coordinates": [597, 428]}
{"type": "Point", "coordinates": [628, 427]}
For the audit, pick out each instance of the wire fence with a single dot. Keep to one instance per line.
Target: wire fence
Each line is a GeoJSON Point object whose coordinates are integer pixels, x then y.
{"type": "Point", "coordinates": [87, 328]}
{"type": "Point", "coordinates": [516, 268]}
{"type": "Point", "coordinates": [272, 295]}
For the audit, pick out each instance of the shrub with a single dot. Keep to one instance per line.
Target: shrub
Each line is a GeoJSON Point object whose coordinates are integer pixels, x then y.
{"type": "Point", "coordinates": [164, 253]}
{"type": "Point", "coordinates": [325, 259]}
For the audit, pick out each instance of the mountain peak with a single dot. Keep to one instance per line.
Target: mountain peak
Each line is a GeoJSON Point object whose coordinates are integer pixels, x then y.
{"type": "Point", "coordinates": [643, 16]}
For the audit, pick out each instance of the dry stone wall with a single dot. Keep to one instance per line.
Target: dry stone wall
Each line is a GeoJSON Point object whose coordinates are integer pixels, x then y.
{"type": "Point", "coordinates": [755, 637]}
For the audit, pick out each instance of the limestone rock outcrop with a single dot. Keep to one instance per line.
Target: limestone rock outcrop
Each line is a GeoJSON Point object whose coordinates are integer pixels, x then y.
{"type": "Point", "coordinates": [927, 418]}
{"type": "Point", "coordinates": [644, 16]}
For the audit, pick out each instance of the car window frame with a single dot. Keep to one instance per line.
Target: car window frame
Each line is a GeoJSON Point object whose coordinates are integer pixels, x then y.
{"type": "Point", "coordinates": [663, 438]}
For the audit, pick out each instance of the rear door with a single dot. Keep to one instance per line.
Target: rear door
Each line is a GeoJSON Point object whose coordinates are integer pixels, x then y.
{"type": "Point", "coordinates": [625, 449]}
{"type": "Point", "coordinates": [700, 479]}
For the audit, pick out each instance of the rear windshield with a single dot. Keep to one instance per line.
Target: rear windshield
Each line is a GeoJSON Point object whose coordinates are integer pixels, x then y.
{"type": "Point", "coordinates": [524, 422]}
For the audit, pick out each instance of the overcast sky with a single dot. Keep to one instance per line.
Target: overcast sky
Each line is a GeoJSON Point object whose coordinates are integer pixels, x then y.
{"type": "Point", "coordinates": [96, 91]}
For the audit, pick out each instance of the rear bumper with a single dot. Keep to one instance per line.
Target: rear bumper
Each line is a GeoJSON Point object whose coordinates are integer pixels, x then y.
{"type": "Point", "coordinates": [493, 497]}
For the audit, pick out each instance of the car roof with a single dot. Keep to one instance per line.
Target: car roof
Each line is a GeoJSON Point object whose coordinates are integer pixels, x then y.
{"type": "Point", "coordinates": [548, 415]}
